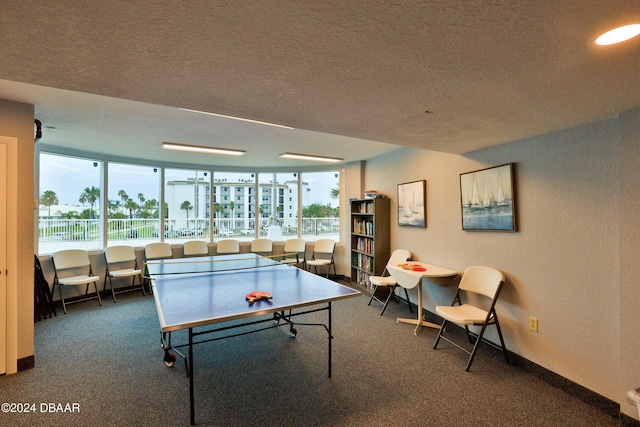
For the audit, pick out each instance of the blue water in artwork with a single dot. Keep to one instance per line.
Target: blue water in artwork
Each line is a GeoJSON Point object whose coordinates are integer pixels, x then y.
{"type": "Point", "coordinates": [415, 218]}
{"type": "Point", "coordinates": [488, 219]}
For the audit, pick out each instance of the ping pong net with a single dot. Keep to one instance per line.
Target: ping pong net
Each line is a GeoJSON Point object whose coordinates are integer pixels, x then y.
{"type": "Point", "coordinates": [211, 265]}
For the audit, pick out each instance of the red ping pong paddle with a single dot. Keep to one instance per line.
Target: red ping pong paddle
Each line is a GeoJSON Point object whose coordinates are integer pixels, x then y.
{"type": "Point", "coordinates": [255, 296]}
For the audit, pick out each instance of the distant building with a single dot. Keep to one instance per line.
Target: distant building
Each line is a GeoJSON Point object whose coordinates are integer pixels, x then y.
{"type": "Point", "coordinates": [237, 200]}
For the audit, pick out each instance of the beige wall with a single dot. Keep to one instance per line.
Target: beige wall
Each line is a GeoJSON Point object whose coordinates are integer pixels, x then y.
{"type": "Point", "coordinates": [629, 249]}
{"type": "Point", "coordinates": [16, 120]}
{"type": "Point", "coordinates": [573, 262]}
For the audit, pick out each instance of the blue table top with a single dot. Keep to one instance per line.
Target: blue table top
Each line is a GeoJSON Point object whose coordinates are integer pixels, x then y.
{"type": "Point", "coordinates": [202, 297]}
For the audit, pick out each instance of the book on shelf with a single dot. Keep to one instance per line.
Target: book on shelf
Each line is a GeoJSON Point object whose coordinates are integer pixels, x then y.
{"type": "Point", "coordinates": [363, 227]}
{"type": "Point", "coordinates": [363, 262]}
{"type": "Point", "coordinates": [365, 244]}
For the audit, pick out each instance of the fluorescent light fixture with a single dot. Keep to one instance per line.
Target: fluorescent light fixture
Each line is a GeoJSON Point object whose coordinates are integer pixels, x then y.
{"type": "Point", "coordinates": [312, 158]}
{"type": "Point", "coordinates": [618, 35]}
{"type": "Point", "coordinates": [235, 118]}
{"type": "Point", "coordinates": [200, 149]}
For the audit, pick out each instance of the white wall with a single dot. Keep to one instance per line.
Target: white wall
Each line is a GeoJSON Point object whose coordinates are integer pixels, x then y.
{"type": "Point", "coordinates": [564, 264]}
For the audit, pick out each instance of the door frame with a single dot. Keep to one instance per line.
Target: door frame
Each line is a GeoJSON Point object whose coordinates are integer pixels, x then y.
{"type": "Point", "coordinates": [9, 307]}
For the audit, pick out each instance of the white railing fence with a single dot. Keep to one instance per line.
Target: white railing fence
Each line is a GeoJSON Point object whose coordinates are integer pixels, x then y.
{"type": "Point", "coordinates": [58, 233]}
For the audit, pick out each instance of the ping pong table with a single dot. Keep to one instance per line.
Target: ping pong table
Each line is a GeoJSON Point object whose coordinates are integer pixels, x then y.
{"type": "Point", "coordinates": [199, 294]}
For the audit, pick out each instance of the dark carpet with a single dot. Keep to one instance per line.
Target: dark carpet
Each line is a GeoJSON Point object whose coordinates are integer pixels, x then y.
{"type": "Point", "coordinates": [109, 362]}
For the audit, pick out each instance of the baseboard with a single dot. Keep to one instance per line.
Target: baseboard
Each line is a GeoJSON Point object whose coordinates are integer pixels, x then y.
{"type": "Point", "coordinates": [26, 363]}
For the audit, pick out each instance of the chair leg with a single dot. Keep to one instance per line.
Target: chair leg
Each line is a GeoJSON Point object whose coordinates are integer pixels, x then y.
{"type": "Point", "coordinates": [504, 348]}
{"type": "Point", "coordinates": [144, 294]}
{"type": "Point", "coordinates": [384, 307]}
{"type": "Point", "coordinates": [113, 292]}
{"type": "Point", "coordinates": [469, 337]}
{"type": "Point", "coordinates": [475, 347]}
{"type": "Point", "coordinates": [95, 285]}
{"type": "Point", "coordinates": [439, 334]}
{"type": "Point", "coordinates": [373, 293]}
{"type": "Point", "coordinates": [64, 306]}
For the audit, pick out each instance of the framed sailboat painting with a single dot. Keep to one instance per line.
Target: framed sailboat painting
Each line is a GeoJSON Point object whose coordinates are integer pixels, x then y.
{"type": "Point", "coordinates": [488, 199]}
{"type": "Point", "coordinates": [412, 205]}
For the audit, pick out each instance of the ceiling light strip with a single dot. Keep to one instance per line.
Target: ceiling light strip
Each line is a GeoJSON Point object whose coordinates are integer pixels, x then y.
{"type": "Point", "coordinates": [309, 157]}
{"type": "Point", "coordinates": [201, 149]}
{"type": "Point", "coordinates": [236, 118]}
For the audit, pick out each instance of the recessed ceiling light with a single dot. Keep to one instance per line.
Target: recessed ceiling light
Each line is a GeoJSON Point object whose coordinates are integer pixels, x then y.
{"type": "Point", "coordinates": [618, 35]}
{"type": "Point", "coordinates": [236, 118]}
{"type": "Point", "coordinates": [201, 149]}
{"type": "Point", "coordinates": [312, 158]}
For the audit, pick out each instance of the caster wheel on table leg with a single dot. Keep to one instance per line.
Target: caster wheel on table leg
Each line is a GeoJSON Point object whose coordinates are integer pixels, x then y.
{"type": "Point", "coordinates": [169, 359]}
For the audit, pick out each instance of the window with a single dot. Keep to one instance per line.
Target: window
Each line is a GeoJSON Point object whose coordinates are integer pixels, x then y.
{"type": "Point", "coordinates": [134, 204]}
{"type": "Point", "coordinates": [74, 213]}
{"type": "Point", "coordinates": [234, 212]}
{"type": "Point", "coordinates": [69, 203]}
{"type": "Point", "coordinates": [321, 205]}
{"type": "Point", "coordinates": [188, 207]}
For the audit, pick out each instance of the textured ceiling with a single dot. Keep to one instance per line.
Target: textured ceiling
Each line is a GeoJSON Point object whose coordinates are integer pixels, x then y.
{"type": "Point", "coordinates": [355, 78]}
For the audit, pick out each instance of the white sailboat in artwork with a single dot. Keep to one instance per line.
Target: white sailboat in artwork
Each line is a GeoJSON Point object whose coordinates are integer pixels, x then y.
{"type": "Point", "coordinates": [501, 200]}
{"type": "Point", "coordinates": [475, 199]}
{"type": "Point", "coordinates": [486, 202]}
{"type": "Point", "coordinates": [408, 206]}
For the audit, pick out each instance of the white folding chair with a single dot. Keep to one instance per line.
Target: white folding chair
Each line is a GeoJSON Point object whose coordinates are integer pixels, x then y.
{"type": "Point", "coordinates": [121, 262]}
{"type": "Point", "coordinates": [195, 248]}
{"type": "Point", "coordinates": [262, 246]}
{"type": "Point", "coordinates": [154, 251]}
{"type": "Point", "coordinates": [295, 252]}
{"type": "Point", "coordinates": [476, 281]}
{"type": "Point", "coordinates": [72, 267]}
{"type": "Point", "coordinates": [386, 281]}
{"type": "Point", "coordinates": [158, 250]}
{"type": "Point", "coordinates": [228, 246]}
{"type": "Point", "coordinates": [323, 256]}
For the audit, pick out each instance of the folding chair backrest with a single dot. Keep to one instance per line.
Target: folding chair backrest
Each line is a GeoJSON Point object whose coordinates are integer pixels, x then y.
{"type": "Point", "coordinates": [399, 256]}
{"type": "Point", "coordinates": [158, 250]}
{"type": "Point", "coordinates": [324, 248]}
{"type": "Point", "coordinates": [295, 245]}
{"type": "Point", "coordinates": [228, 246]}
{"type": "Point", "coordinates": [116, 254]}
{"type": "Point", "coordinates": [196, 247]}
{"type": "Point", "coordinates": [70, 258]}
{"type": "Point", "coordinates": [482, 280]}
{"type": "Point", "coordinates": [262, 245]}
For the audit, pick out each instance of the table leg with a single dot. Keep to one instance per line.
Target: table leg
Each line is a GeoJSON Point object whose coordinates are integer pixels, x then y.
{"type": "Point", "coordinates": [330, 339]}
{"type": "Point", "coordinates": [191, 398]}
{"type": "Point", "coordinates": [419, 321]}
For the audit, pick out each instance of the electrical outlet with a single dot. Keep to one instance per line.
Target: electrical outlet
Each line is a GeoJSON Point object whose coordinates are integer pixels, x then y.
{"type": "Point", "coordinates": [533, 324]}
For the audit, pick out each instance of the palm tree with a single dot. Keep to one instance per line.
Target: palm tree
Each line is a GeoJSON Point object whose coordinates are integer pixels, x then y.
{"type": "Point", "coordinates": [123, 196]}
{"type": "Point", "coordinates": [90, 195]}
{"type": "Point", "coordinates": [186, 205]}
{"type": "Point", "coordinates": [150, 207]}
{"type": "Point", "coordinates": [49, 198]}
{"type": "Point", "coordinates": [217, 209]}
{"type": "Point", "coordinates": [131, 205]}
{"type": "Point", "coordinates": [232, 206]}
{"type": "Point", "coordinates": [335, 193]}
{"type": "Point", "coordinates": [114, 205]}
{"type": "Point", "coordinates": [141, 204]}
